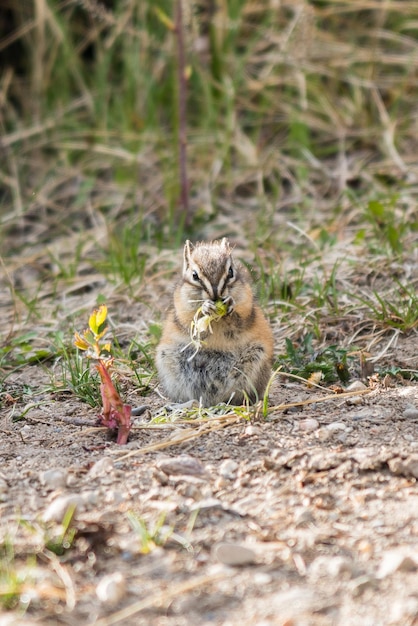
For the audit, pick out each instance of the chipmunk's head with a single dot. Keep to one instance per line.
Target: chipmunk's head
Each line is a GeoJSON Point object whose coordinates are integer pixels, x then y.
{"type": "Point", "coordinates": [210, 270]}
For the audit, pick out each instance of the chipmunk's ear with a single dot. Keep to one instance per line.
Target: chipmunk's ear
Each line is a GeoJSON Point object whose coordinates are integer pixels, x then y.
{"type": "Point", "coordinates": [188, 247]}
{"type": "Point", "coordinates": [225, 244]}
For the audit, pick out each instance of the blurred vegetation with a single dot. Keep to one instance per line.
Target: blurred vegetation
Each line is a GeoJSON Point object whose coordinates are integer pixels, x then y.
{"type": "Point", "coordinates": [302, 126]}
{"type": "Point", "coordinates": [287, 102]}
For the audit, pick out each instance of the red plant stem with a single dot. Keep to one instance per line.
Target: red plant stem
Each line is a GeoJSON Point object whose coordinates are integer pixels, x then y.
{"type": "Point", "coordinates": [182, 99]}
{"type": "Point", "coordinates": [115, 414]}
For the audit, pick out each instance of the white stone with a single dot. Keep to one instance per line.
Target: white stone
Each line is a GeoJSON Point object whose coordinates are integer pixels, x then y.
{"type": "Point", "coordinates": [54, 478]}
{"type": "Point", "coordinates": [102, 467]}
{"type": "Point", "coordinates": [234, 554]}
{"type": "Point", "coordinates": [90, 498]}
{"type": "Point", "coordinates": [403, 609]}
{"type": "Point", "coordinates": [261, 578]}
{"type": "Point", "coordinates": [360, 584]}
{"type": "Point", "coordinates": [323, 434]}
{"type": "Point", "coordinates": [334, 426]}
{"type": "Point", "coordinates": [252, 430]}
{"type": "Point", "coordinates": [303, 517]}
{"type": "Point", "coordinates": [397, 560]}
{"type": "Point", "coordinates": [332, 566]}
{"type": "Point", "coordinates": [228, 469]}
{"type": "Point", "coordinates": [355, 400]}
{"type": "Point", "coordinates": [294, 602]}
{"type": "Point", "coordinates": [356, 385]}
{"type": "Point", "coordinates": [308, 425]}
{"type": "Point", "coordinates": [114, 497]}
{"type": "Point", "coordinates": [111, 589]}
{"type": "Point", "coordinates": [184, 464]}
{"type": "Point", "coordinates": [58, 507]}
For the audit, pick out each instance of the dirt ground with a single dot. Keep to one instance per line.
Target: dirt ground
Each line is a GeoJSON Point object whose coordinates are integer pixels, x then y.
{"type": "Point", "coordinates": [308, 518]}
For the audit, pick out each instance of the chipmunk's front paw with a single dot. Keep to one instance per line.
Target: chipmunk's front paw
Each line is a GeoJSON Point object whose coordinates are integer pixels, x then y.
{"type": "Point", "coordinates": [229, 301]}
{"type": "Point", "coordinates": [208, 307]}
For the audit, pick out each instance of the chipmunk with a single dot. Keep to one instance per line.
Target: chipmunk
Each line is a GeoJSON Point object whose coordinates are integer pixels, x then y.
{"type": "Point", "coordinates": [232, 359]}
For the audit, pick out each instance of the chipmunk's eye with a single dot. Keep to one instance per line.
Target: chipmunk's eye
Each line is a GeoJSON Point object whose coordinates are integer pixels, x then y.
{"type": "Point", "coordinates": [195, 275]}
{"type": "Point", "coordinates": [230, 273]}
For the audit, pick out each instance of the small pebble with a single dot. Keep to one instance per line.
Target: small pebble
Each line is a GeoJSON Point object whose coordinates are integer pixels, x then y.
{"type": "Point", "coordinates": [182, 464]}
{"type": "Point", "coordinates": [363, 415]}
{"type": "Point", "coordinates": [139, 410]}
{"type": "Point", "coordinates": [111, 589]}
{"type": "Point", "coordinates": [58, 507]}
{"type": "Point", "coordinates": [228, 469]}
{"type": "Point", "coordinates": [334, 426]}
{"type": "Point", "coordinates": [234, 554]}
{"type": "Point", "coordinates": [221, 483]}
{"type": "Point", "coordinates": [342, 437]}
{"type": "Point", "coordinates": [404, 609]}
{"type": "Point", "coordinates": [404, 467]}
{"type": "Point", "coordinates": [324, 434]}
{"type": "Point", "coordinates": [101, 467]}
{"type": "Point", "coordinates": [410, 413]}
{"type": "Point", "coordinates": [308, 425]}
{"type": "Point", "coordinates": [290, 604]}
{"type": "Point", "coordinates": [54, 478]}
{"type": "Point", "coordinates": [252, 430]}
{"type": "Point", "coordinates": [356, 385]}
{"type": "Point", "coordinates": [207, 504]}
{"type": "Point", "coordinates": [332, 566]}
{"type": "Point", "coordinates": [360, 584]}
{"type": "Point", "coordinates": [114, 497]}
{"type": "Point", "coordinates": [397, 560]}
{"type": "Point", "coordinates": [261, 578]}
{"type": "Point", "coordinates": [355, 400]}
{"type": "Point", "coordinates": [90, 498]}
{"type": "Point", "coordinates": [303, 517]}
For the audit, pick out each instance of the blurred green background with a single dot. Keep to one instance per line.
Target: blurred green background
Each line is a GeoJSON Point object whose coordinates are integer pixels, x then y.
{"type": "Point", "coordinates": [306, 107]}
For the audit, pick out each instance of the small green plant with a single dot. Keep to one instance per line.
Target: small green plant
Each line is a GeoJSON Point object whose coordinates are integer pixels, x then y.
{"type": "Point", "coordinates": [22, 350]}
{"type": "Point", "coordinates": [77, 376]}
{"type": "Point", "coordinates": [60, 542]}
{"type": "Point", "coordinates": [19, 570]}
{"type": "Point", "coordinates": [396, 310]}
{"type": "Point", "coordinates": [149, 536]}
{"type": "Point", "coordinates": [68, 267]}
{"type": "Point", "coordinates": [115, 414]}
{"type": "Point", "coordinates": [398, 372]}
{"type": "Point", "coordinates": [332, 363]}
{"type": "Point", "coordinates": [122, 258]}
{"type": "Point", "coordinates": [325, 291]}
{"type": "Point", "coordinates": [265, 402]}
{"type": "Point", "coordinates": [12, 578]}
{"type": "Point", "coordinates": [157, 535]}
{"type": "Point", "coordinates": [388, 227]}
{"type": "Point", "coordinates": [272, 286]}
{"type": "Point", "coordinates": [30, 302]}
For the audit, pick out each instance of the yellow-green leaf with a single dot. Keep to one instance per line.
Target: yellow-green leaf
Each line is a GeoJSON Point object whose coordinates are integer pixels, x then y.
{"type": "Point", "coordinates": [97, 320]}
{"type": "Point", "coordinates": [164, 19]}
{"type": "Point", "coordinates": [80, 342]}
{"type": "Point", "coordinates": [221, 308]}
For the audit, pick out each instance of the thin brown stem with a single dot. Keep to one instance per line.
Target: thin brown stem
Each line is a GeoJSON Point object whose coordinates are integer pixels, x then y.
{"type": "Point", "coordinates": [182, 124]}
